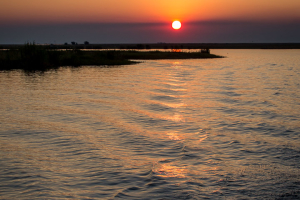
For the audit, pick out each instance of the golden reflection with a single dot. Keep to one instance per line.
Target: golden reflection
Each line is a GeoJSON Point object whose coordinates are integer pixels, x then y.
{"type": "Point", "coordinates": [203, 138]}
{"type": "Point", "coordinates": [175, 82]}
{"type": "Point", "coordinates": [175, 118]}
{"type": "Point", "coordinates": [167, 170]}
{"type": "Point", "coordinates": [173, 105]}
{"type": "Point", "coordinates": [176, 50]}
{"type": "Point", "coordinates": [174, 136]}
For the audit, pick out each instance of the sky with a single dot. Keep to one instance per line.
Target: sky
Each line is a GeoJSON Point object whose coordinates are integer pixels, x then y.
{"type": "Point", "coordinates": [148, 21]}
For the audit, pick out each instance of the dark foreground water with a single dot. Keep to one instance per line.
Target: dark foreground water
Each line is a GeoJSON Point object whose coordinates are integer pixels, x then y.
{"type": "Point", "coordinates": [173, 129]}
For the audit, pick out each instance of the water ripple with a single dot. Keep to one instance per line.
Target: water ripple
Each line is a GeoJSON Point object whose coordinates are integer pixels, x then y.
{"type": "Point", "coordinates": [170, 129]}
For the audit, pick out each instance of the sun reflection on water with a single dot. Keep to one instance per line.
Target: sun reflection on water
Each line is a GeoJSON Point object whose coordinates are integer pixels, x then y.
{"type": "Point", "coordinates": [198, 124]}
{"type": "Point", "coordinates": [167, 170]}
{"type": "Point", "coordinates": [175, 118]}
{"type": "Point", "coordinates": [174, 136]}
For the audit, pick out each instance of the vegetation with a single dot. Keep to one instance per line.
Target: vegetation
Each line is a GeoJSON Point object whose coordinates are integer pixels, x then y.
{"type": "Point", "coordinates": [155, 55]}
{"type": "Point", "coordinates": [35, 57]}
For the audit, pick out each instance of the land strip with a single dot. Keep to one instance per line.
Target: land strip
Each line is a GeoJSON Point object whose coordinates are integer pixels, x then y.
{"type": "Point", "coordinates": [37, 57]}
{"type": "Point", "coordinates": [162, 45]}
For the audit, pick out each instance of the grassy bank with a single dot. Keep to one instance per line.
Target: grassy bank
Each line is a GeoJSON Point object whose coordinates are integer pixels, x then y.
{"type": "Point", "coordinates": [34, 57]}
{"type": "Point", "coordinates": [166, 46]}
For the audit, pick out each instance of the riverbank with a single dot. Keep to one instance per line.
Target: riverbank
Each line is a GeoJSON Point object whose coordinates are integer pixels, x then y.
{"type": "Point", "coordinates": [163, 45]}
{"type": "Point", "coordinates": [35, 57]}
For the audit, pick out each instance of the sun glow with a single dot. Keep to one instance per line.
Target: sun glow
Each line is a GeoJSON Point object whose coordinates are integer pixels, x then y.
{"type": "Point", "coordinates": [176, 25]}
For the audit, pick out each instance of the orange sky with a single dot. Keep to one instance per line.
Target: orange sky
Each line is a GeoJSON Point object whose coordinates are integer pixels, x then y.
{"type": "Point", "coordinates": [146, 10]}
{"type": "Point", "coordinates": [149, 21]}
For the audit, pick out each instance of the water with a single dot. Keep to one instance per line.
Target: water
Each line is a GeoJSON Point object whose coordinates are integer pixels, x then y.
{"type": "Point", "coordinates": [167, 129]}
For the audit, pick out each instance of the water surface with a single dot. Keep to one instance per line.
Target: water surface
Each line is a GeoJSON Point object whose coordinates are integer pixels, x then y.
{"type": "Point", "coordinates": [164, 129]}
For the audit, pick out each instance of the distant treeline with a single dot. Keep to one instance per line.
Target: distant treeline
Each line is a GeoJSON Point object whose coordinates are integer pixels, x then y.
{"type": "Point", "coordinates": [87, 45]}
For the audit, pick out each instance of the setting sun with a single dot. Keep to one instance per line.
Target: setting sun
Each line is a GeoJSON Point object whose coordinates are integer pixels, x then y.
{"type": "Point", "coordinates": [176, 25]}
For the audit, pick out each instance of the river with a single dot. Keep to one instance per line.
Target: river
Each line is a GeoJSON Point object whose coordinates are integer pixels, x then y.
{"type": "Point", "coordinates": [225, 128]}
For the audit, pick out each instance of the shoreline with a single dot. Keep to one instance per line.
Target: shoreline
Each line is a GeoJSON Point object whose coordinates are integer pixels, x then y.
{"type": "Point", "coordinates": [36, 57]}
{"type": "Point", "coordinates": [162, 45]}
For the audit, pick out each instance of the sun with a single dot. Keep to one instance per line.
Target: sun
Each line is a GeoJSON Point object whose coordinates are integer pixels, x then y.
{"type": "Point", "coordinates": [176, 25]}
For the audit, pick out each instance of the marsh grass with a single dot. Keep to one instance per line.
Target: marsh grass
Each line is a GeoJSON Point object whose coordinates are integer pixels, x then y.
{"type": "Point", "coordinates": [156, 55]}
{"type": "Point", "coordinates": [29, 57]}
{"type": "Point", "coordinates": [35, 57]}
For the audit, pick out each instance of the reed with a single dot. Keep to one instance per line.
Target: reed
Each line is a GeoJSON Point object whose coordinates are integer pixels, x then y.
{"type": "Point", "coordinates": [35, 57]}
